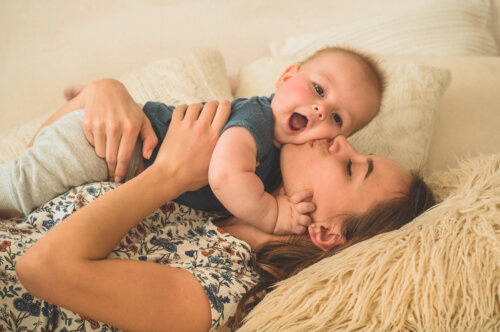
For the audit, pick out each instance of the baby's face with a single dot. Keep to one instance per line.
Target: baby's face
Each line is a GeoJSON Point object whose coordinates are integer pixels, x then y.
{"type": "Point", "coordinates": [332, 94]}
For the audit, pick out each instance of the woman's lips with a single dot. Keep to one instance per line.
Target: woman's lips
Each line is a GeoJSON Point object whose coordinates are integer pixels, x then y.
{"type": "Point", "coordinates": [326, 142]}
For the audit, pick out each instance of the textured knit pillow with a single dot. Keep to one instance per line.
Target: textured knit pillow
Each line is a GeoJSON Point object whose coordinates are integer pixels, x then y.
{"type": "Point", "coordinates": [401, 131]}
{"type": "Point", "coordinates": [442, 27]}
{"type": "Point", "coordinates": [199, 75]}
{"type": "Point", "coordinates": [439, 273]}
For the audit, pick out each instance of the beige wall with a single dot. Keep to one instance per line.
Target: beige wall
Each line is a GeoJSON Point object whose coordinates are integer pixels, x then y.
{"type": "Point", "coordinates": [47, 45]}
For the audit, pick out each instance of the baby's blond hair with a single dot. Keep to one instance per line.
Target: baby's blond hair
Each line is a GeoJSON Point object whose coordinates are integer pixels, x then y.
{"type": "Point", "coordinates": [370, 60]}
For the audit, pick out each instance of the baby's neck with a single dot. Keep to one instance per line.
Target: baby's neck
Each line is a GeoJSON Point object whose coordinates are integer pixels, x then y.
{"type": "Point", "coordinates": [277, 144]}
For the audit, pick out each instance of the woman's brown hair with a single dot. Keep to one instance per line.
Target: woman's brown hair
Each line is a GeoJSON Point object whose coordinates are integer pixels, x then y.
{"type": "Point", "coordinates": [278, 260]}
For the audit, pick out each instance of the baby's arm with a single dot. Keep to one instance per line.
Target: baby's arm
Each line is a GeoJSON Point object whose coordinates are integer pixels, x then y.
{"type": "Point", "coordinates": [233, 180]}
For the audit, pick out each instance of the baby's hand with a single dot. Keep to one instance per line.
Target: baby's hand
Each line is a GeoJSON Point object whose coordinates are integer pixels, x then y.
{"type": "Point", "coordinates": [293, 212]}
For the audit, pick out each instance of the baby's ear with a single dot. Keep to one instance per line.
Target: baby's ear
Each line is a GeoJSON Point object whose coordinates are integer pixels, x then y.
{"type": "Point", "coordinates": [325, 238]}
{"type": "Point", "coordinates": [288, 73]}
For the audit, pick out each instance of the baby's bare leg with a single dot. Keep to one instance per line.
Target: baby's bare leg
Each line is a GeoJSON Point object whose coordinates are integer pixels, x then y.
{"type": "Point", "coordinates": [60, 159]}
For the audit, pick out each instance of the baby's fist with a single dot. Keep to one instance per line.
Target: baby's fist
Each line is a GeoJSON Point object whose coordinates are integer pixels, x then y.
{"type": "Point", "coordinates": [293, 212]}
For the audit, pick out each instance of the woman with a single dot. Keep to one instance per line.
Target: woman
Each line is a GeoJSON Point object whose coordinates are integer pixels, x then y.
{"type": "Point", "coordinates": [68, 265]}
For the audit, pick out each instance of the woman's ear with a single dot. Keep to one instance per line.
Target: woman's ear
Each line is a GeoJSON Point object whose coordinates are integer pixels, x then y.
{"type": "Point", "coordinates": [325, 238]}
{"type": "Point", "coordinates": [288, 73]}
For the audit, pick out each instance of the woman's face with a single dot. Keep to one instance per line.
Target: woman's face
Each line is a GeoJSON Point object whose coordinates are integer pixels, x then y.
{"type": "Point", "coordinates": [343, 181]}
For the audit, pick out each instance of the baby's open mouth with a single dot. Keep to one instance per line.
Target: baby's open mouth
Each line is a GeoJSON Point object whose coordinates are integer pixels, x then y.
{"type": "Point", "coordinates": [298, 122]}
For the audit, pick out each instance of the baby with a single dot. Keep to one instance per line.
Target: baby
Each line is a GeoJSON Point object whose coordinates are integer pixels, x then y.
{"type": "Point", "coordinates": [335, 91]}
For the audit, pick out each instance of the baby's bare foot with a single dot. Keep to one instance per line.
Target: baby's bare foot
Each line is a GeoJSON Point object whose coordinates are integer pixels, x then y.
{"type": "Point", "coordinates": [72, 91]}
{"type": "Point", "coordinates": [5, 214]}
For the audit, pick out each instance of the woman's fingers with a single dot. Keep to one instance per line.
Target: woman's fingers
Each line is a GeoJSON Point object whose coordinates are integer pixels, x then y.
{"type": "Point", "coordinates": [178, 113]}
{"type": "Point", "coordinates": [124, 155]}
{"type": "Point", "coordinates": [112, 124]}
{"type": "Point", "coordinates": [212, 113]}
{"type": "Point", "coordinates": [190, 141]}
{"type": "Point", "coordinates": [113, 138]}
{"type": "Point", "coordinates": [88, 135]}
{"type": "Point", "coordinates": [209, 111]}
{"type": "Point", "coordinates": [193, 112]}
{"type": "Point", "coordinates": [99, 141]}
{"type": "Point", "coordinates": [149, 139]}
{"type": "Point", "coordinates": [221, 116]}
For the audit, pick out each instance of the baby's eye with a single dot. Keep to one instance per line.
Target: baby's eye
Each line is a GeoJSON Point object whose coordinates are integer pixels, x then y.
{"type": "Point", "coordinates": [349, 168]}
{"type": "Point", "coordinates": [337, 119]}
{"type": "Point", "coordinates": [319, 89]}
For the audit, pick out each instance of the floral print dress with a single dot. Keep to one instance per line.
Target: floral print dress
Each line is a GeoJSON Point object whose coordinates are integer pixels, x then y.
{"type": "Point", "coordinates": [175, 235]}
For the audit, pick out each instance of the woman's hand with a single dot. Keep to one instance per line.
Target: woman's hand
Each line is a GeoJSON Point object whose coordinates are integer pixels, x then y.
{"type": "Point", "coordinates": [112, 123]}
{"type": "Point", "coordinates": [198, 127]}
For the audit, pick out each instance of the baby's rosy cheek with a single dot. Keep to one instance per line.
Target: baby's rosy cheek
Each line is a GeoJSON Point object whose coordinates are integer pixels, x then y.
{"type": "Point", "coordinates": [329, 130]}
{"type": "Point", "coordinates": [301, 93]}
{"type": "Point", "coordinates": [296, 90]}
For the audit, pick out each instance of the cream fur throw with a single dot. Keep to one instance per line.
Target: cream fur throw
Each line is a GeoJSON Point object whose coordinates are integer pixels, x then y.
{"type": "Point", "coordinates": [439, 273]}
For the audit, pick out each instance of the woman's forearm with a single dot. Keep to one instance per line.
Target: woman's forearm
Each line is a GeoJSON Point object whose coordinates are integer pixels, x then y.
{"type": "Point", "coordinates": [93, 231]}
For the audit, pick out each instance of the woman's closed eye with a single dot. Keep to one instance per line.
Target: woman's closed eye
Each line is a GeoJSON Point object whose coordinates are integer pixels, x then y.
{"type": "Point", "coordinates": [319, 89]}
{"type": "Point", "coordinates": [349, 168]}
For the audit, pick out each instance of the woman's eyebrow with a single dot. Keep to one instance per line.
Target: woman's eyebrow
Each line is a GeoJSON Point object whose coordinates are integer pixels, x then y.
{"type": "Point", "coordinates": [369, 170]}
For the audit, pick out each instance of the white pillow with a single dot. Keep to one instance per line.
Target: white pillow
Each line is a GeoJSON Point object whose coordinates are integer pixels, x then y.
{"type": "Point", "coordinates": [467, 118]}
{"type": "Point", "coordinates": [403, 128]}
{"type": "Point", "coordinates": [199, 75]}
{"type": "Point", "coordinates": [438, 273]}
{"type": "Point", "coordinates": [442, 27]}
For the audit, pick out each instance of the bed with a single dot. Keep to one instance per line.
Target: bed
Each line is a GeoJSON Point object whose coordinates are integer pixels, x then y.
{"type": "Point", "coordinates": [440, 115]}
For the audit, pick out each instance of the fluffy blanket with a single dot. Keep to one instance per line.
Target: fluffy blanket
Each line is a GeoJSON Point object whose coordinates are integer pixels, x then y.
{"type": "Point", "coordinates": [439, 273]}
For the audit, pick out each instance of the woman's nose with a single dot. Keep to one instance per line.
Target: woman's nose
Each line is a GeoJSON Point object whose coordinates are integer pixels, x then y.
{"type": "Point", "coordinates": [337, 144]}
{"type": "Point", "coordinates": [320, 111]}
{"type": "Point", "coordinates": [341, 144]}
